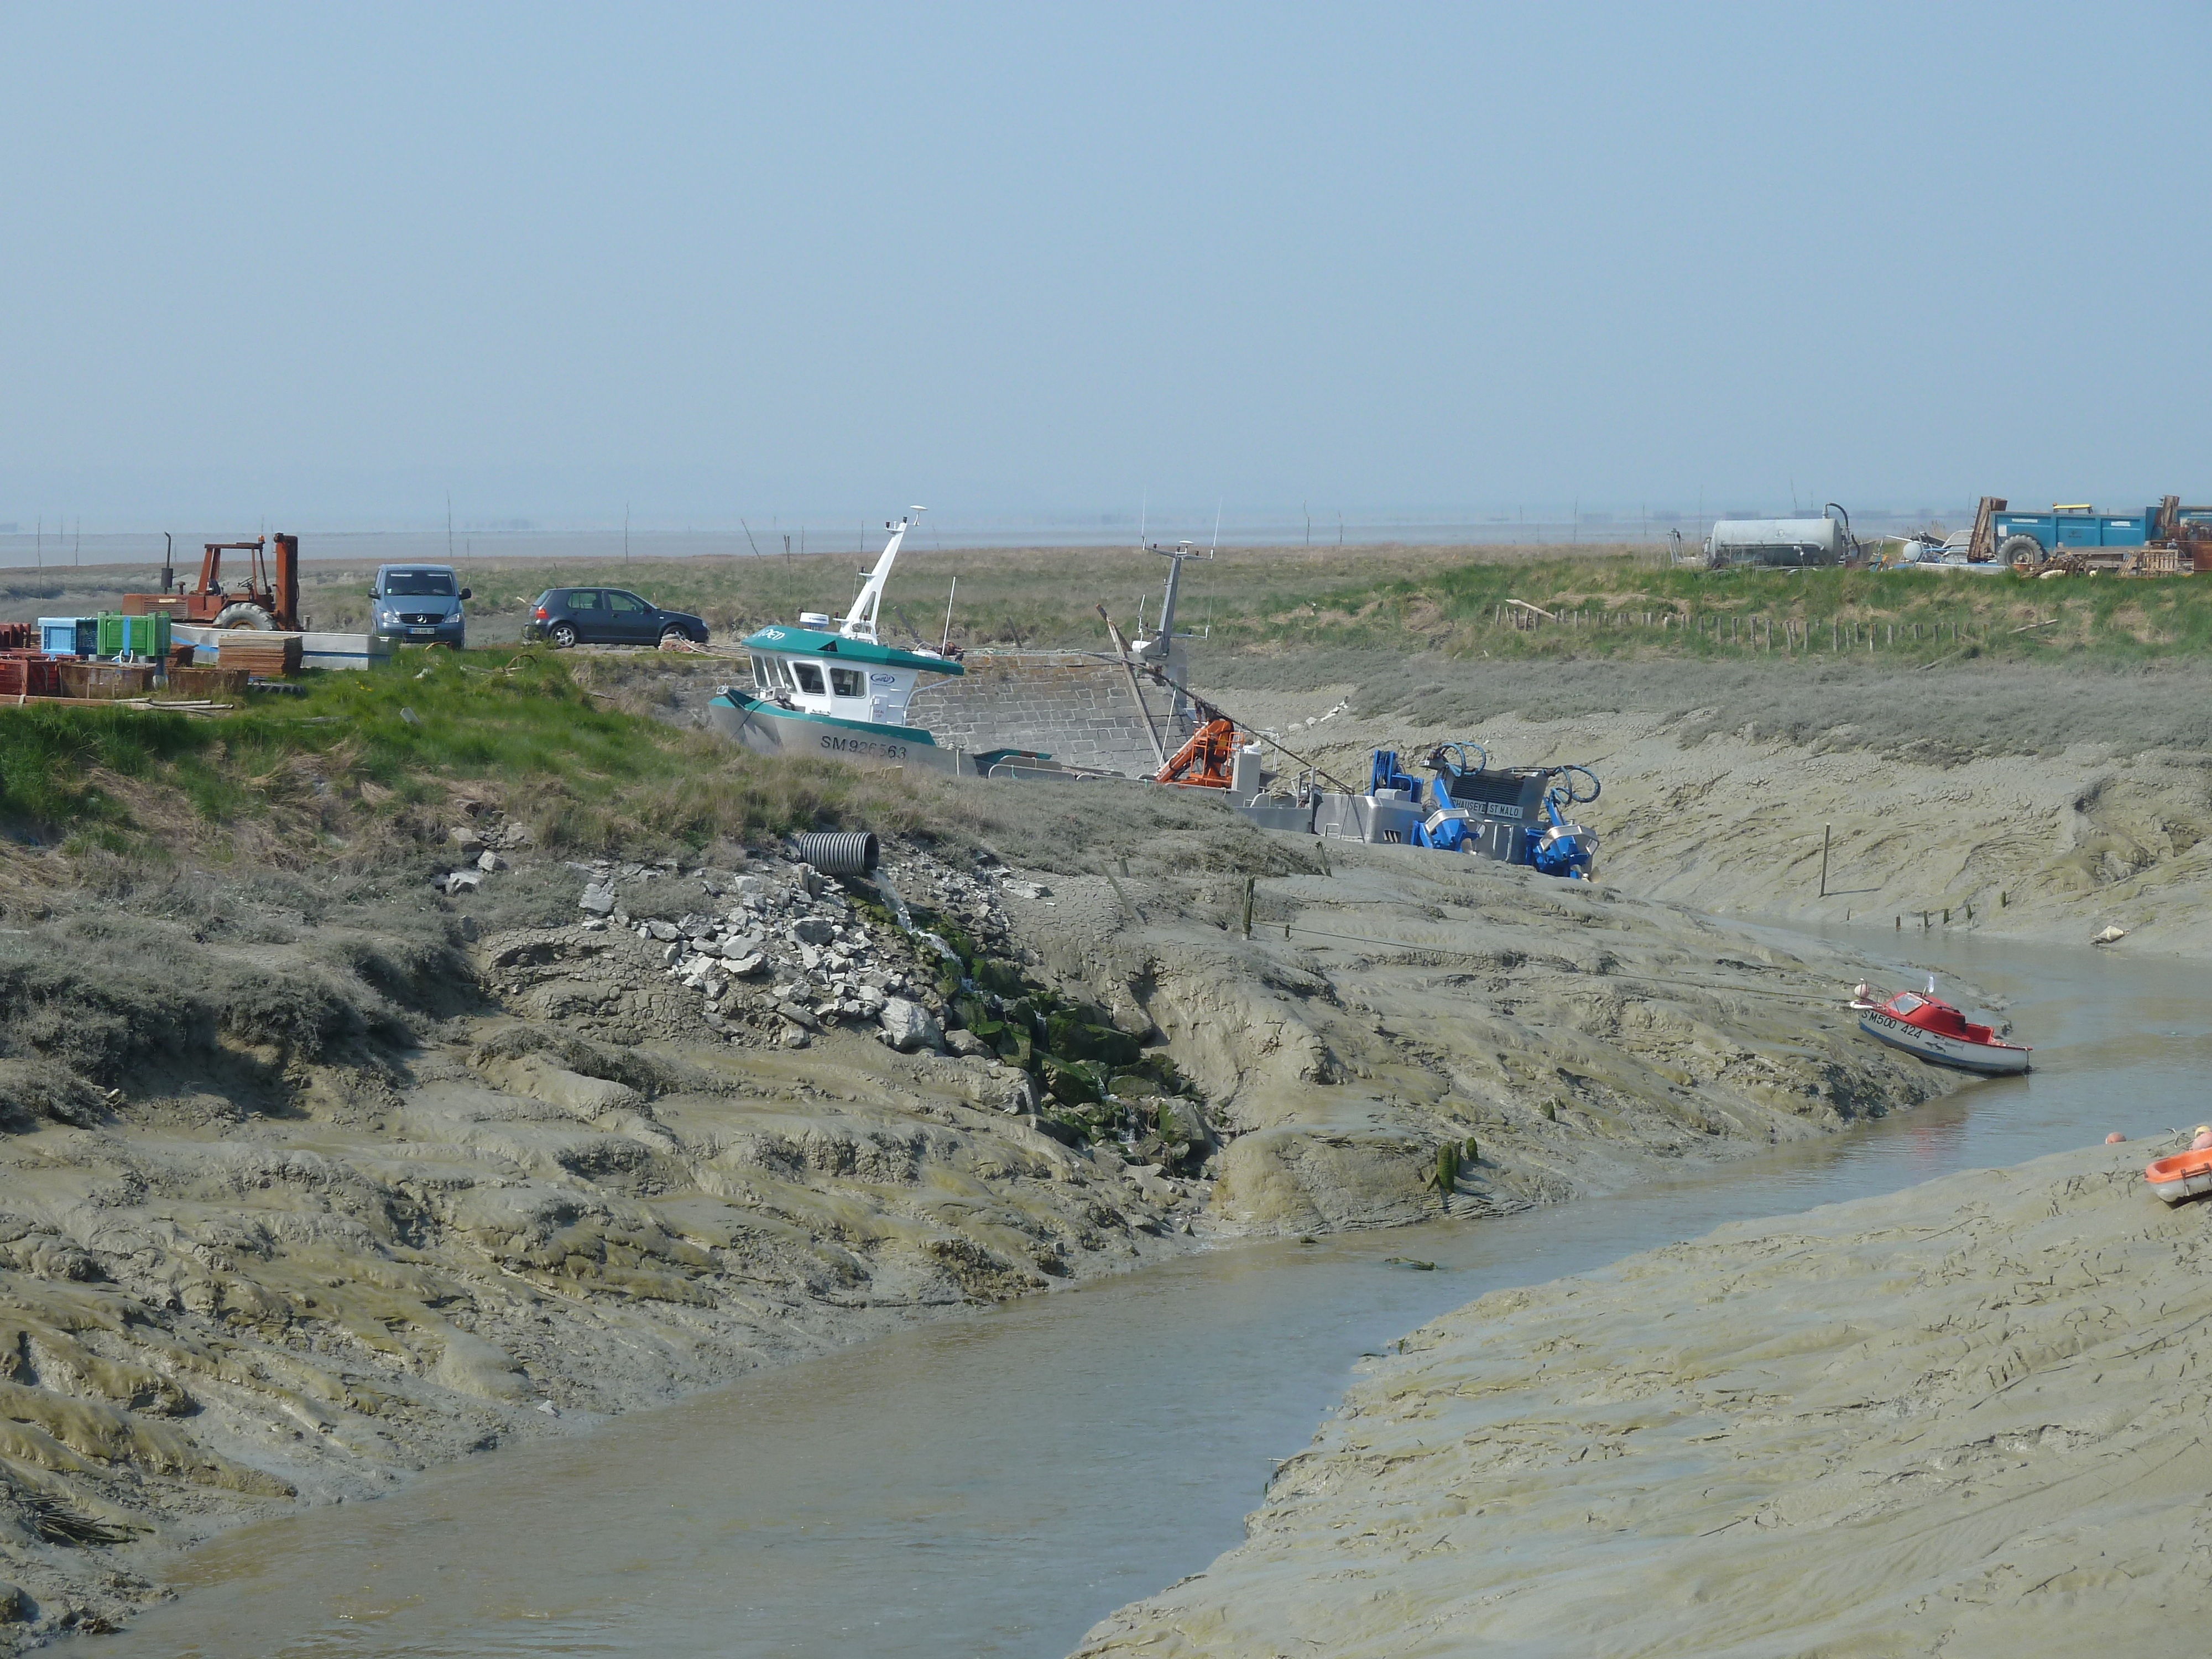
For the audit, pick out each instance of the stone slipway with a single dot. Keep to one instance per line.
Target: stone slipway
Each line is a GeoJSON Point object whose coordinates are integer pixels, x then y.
{"type": "Point", "coordinates": [1966, 1419]}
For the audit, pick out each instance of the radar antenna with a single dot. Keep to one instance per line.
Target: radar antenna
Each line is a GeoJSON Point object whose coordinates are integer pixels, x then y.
{"type": "Point", "coordinates": [1159, 653]}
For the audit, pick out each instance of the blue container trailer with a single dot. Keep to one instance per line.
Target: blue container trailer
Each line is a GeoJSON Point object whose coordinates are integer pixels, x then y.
{"type": "Point", "coordinates": [2034, 537]}
{"type": "Point", "coordinates": [2167, 539]}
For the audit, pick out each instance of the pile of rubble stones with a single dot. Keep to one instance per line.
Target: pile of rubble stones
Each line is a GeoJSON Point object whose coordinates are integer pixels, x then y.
{"type": "Point", "coordinates": [791, 943]}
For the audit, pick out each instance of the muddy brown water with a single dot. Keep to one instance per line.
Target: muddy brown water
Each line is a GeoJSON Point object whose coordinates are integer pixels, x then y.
{"type": "Point", "coordinates": [994, 1486]}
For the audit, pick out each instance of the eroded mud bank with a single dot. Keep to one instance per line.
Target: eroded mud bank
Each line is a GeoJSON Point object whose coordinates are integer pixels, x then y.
{"type": "Point", "coordinates": [316, 1181]}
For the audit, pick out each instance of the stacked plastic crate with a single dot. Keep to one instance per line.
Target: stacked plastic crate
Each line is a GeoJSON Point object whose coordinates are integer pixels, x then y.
{"type": "Point", "coordinates": [145, 639]}
{"type": "Point", "coordinates": [69, 636]}
{"type": "Point", "coordinates": [25, 671]}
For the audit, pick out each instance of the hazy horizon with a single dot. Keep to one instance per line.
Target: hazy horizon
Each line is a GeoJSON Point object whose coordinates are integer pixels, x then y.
{"type": "Point", "coordinates": [1424, 266]}
{"type": "Point", "coordinates": [21, 549]}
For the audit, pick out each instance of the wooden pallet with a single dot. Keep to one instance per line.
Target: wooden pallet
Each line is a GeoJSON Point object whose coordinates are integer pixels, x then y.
{"type": "Point", "coordinates": [272, 655]}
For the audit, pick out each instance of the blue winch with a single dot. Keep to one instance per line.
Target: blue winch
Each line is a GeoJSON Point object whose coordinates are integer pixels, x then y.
{"type": "Point", "coordinates": [1516, 815]}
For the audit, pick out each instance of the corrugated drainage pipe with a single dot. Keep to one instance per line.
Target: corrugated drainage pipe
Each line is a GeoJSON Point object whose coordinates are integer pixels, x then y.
{"type": "Point", "coordinates": [838, 853]}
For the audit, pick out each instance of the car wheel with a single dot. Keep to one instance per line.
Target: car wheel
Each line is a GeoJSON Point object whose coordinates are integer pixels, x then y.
{"type": "Point", "coordinates": [564, 636]}
{"type": "Point", "coordinates": [671, 636]}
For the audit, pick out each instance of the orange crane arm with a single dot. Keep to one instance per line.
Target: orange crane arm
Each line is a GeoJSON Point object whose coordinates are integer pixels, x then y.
{"type": "Point", "coordinates": [1208, 750]}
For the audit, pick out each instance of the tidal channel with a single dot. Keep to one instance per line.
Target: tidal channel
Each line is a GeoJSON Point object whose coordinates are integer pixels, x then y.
{"type": "Point", "coordinates": [994, 1485]}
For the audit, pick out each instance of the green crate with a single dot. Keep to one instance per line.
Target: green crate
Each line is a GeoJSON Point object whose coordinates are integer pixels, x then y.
{"type": "Point", "coordinates": [137, 636]}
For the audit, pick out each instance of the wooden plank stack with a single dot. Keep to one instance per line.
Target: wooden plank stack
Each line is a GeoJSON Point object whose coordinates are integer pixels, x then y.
{"type": "Point", "coordinates": [266, 656]}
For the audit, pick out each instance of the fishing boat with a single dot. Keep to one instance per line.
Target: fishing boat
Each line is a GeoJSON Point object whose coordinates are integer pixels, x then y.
{"type": "Point", "coordinates": [834, 688]}
{"type": "Point", "coordinates": [2186, 1174]}
{"type": "Point", "coordinates": [1928, 1026]}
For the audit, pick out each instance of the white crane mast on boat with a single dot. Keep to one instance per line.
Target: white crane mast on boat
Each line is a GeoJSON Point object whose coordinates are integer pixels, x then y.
{"type": "Point", "coordinates": [860, 622]}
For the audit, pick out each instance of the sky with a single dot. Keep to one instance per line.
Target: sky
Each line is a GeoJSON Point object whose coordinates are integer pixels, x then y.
{"type": "Point", "coordinates": [330, 265]}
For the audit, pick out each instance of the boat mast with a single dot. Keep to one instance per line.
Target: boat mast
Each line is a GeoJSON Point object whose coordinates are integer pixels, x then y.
{"type": "Point", "coordinates": [1160, 651]}
{"type": "Point", "coordinates": [860, 622]}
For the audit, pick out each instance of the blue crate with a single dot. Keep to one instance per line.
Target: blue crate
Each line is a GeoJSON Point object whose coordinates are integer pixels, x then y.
{"type": "Point", "coordinates": [69, 636]}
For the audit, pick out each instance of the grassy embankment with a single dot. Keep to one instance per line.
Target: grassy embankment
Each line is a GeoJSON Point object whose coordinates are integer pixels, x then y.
{"type": "Point", "coordinates": [365, 766]}
{"type": "Point", "coordinates": [1004, 596]}
{"type": "Point", "coordinates": [582, 765]}
{"type": "Point", "coordinates": [1452, 601]}
{"type": "Point", "coordinates": [1445, 600]}
{"type": "Point", "coordinates": [1613, 604]}
{"type": "Point", "coordinates": [1992, 664]}
{"type": "Point", "coordinates": [365, 770]}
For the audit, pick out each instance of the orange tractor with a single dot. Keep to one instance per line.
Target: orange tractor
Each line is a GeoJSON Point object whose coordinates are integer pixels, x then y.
{"type": "Point", "coordinates": [267, 596]}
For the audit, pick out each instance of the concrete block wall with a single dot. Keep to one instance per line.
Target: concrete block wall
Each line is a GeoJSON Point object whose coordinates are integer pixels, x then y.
{"type": "Point", "coordinates": [1075, 707]}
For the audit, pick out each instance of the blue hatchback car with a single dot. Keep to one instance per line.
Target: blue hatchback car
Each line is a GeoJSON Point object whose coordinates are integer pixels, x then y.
{"type": "Point", "coordinates": [608, 615]}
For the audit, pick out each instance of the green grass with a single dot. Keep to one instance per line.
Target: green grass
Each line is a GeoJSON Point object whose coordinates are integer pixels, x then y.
{"type": "Point", "coordinates": [1445, 600]}
{"type": "Point", "coordinates": [1011, 596]}
{"type": "Point", "coordinates": [1617, 606]}
{"type": "Point", "coordinates": [58, 765]}
{"type": "Point", "coordinates": [584, 772]}
{"type": "Point", "coordinates": [565, 743]}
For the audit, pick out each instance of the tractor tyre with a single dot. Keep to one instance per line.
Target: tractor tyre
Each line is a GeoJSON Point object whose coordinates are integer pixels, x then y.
{"type": "Point", "coordinates": [564, 636]}
{"type": "Point", "coordinates": [244, 615]}
{"type": "Point", "coordinates": [2021, 552]}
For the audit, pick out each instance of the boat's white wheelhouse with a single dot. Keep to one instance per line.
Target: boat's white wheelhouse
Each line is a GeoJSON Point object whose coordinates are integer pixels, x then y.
{"type": "Point", "coordinates": [854, 690]}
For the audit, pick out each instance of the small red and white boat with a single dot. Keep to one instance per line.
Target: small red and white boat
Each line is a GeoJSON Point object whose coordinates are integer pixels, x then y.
{"type": "Point", "coordinates": [1934, 1030]}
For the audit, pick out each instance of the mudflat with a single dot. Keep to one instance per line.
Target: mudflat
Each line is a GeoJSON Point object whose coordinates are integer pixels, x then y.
{"type": "Point", "coordinates": [1962, 1419]}
{"type": "Point", "coordinates": [319, 1176]}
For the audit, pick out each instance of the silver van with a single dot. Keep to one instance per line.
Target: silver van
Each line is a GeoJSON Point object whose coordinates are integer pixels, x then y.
{"type": "Point", "coordinates": [418, 604]}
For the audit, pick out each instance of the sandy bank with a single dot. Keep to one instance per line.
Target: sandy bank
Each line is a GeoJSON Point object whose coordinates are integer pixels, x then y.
{"type": "Point", "coordinates": [1564, 1038]}
{"type": "Point", "coordinates": [391, 1175]}
{"type": "Point", "coordinates": [1963, 1418]}
{"type": "Point", "coordinates": [2050, 847]}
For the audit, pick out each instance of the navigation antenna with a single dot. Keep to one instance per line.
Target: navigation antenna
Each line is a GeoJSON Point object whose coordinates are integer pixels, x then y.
{"type": "Point", "coordinates": [860, 622]}
{"type": "Point", "coordinates": [1159, 652]}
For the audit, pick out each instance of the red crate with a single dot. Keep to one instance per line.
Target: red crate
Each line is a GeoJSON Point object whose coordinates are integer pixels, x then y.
{"type": "Point", "coordinates": [19, 636]}
{"type": "Point", "coordinates": [29, 673]}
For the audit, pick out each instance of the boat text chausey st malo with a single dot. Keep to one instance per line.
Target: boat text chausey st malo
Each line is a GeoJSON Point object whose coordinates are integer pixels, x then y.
{"type": "Point", "coordinates": [1928, 1026]}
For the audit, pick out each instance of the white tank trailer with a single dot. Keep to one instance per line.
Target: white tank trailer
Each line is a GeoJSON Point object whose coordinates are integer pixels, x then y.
{"type": "Point", "coordinates": [1790, 542]}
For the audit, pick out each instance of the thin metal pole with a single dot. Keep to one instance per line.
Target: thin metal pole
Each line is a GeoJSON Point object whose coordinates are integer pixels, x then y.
{"type": "Point", "coordinates": [1825, 830]}
{"type": "Point", "coordinates": [1136, 691]}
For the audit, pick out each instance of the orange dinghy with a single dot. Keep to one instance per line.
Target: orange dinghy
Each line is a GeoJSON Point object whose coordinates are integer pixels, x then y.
{"type": "Point", "coordinates": [2185, 1175]}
